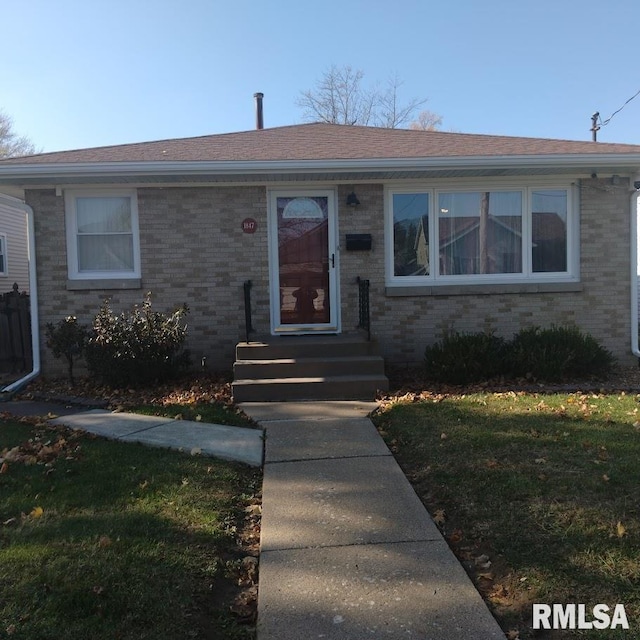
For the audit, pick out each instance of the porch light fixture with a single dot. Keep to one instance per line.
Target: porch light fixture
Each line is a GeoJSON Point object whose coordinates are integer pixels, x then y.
{"type": "Point", "coordinates": [352, 200]}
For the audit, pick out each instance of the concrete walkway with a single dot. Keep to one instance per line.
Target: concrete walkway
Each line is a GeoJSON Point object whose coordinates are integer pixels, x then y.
{"type": "Point", "coordinates": [348, 551]}
{"type": "Point", "coordinates": [230, 443]}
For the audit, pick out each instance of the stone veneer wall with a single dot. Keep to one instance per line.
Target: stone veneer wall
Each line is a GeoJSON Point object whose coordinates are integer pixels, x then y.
{"type": "Point", "coordinates": [193, 250]}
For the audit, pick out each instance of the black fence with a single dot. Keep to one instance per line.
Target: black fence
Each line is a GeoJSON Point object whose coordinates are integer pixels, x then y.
{"type": "Point", "coordinates": [15, 332]}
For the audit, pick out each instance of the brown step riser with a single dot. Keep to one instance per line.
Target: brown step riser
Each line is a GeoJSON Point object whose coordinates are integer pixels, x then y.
{"type": "Point", "coordinates": [296, 351]}
{"type": "Point", "coordinates": [282, 392]}
{"type": "Point", "coordinates": [267, 369]}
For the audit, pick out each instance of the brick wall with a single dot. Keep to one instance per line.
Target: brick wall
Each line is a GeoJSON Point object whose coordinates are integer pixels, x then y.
{"type": "Point", "coordinates": [405, 325]}
{"type": "Point", "coordinates": [193, 250]}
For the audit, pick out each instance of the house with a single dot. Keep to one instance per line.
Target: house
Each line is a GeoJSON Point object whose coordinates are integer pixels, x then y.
{"type": "Point", "coordinates": [452, 232]}
{"type": "Point", "coordinates": [14, 258]}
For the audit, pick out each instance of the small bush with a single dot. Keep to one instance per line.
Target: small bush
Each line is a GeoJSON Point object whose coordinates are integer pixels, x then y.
{"type": "Point", "coordinates": [557, 353]}
{"type": "Point", "coordinates": [550, 355]}
{"type": "Point", "coordinates": [464, 358]}
{"type": "Point", "coordinates": [67, 339]}
{"type": "Point", "coordinates": [139, 347]}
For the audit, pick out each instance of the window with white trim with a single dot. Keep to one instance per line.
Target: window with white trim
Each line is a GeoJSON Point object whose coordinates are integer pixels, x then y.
{"type": "Point", "coordinates": [3, 255]}
{"type": "Point", "coordinates": [102, 234]}
{"type": "Point", "coordinates": [494, 235]}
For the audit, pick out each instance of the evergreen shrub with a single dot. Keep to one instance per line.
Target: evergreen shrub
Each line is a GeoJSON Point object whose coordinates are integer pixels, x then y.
{"type": "Point", "coordinates": [138, 347]}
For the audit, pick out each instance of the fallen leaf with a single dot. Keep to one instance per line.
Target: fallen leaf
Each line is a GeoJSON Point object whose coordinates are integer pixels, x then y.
{"type": "Point", "coordinates": [439, 517]}
{"type": "Point", "coordinates": [443, 436]}
{"type": "Point", "coordinates": [198, 418]}
{"type": "Point", "coordinates": [605, 477]}
{"type": "Point", "coordinates": [456, 536]}
{"type": "Point", "coordinates": [104, 542]}
{"type": "Point", "coordinates": [4, 468]}
{"type": "Point", "coordinates": [37, 512]}
{"type": "Point", "coordinates": [621, 530]}
{"type": "Point", "coordinates": [483, 562]}
{"type": "Point", "coordinates": [486, 575]}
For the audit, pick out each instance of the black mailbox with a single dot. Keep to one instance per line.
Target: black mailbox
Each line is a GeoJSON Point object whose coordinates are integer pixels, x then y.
{"type": "Point", "coordinates": [358, 241]}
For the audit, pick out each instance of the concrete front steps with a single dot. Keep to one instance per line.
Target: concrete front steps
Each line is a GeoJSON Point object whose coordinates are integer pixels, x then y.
{"type": "Point", "coordinates": [325, 367]}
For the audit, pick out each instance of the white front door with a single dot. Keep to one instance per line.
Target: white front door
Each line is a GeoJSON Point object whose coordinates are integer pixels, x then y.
{"type": "Point", "coordinates": [303, 261]}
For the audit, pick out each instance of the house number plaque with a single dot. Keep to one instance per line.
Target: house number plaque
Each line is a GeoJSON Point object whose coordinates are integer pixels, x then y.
{"type": "Point", "coordinates": [249, 225]}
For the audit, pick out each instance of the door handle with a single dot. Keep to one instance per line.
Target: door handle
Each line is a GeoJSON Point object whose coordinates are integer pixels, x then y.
{"type": "Point", "coordinates": [333, 260]}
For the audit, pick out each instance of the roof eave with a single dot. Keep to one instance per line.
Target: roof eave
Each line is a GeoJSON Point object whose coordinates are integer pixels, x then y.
{"type": "Point", "coordinates": [15, 173]}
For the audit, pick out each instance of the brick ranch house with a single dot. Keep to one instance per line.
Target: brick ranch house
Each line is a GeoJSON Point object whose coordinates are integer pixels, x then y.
{"type": "Point", "coordinates": [453, 232]}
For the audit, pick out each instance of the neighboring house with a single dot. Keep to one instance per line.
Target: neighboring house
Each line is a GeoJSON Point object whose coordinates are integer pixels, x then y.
{"type": "Point", "coordinates": [14, 258]}
{"type": "Point", "coordinates": [468, 233]}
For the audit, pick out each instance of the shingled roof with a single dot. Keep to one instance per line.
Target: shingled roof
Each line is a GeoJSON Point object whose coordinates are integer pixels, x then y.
{"type": "Point", "coordinates": [326, 142]}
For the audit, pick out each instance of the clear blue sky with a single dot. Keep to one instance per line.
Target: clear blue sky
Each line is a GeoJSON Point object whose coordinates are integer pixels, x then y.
{"type": "Point", "coordinates": [84, 73]}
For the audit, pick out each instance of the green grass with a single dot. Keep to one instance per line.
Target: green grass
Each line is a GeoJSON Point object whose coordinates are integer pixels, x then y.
{"type": "Point", "coordinates": [199, 411]}
{"type": "Point", "coordinates": [546, 486]}
{"type": "Point", "coordinates": [131, 542]}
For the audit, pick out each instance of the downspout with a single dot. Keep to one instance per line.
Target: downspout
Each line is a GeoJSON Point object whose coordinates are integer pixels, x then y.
{"type": "Point", "coordinates": [7, 392]}
{"type": "Point", "coordinates": [635, 194]}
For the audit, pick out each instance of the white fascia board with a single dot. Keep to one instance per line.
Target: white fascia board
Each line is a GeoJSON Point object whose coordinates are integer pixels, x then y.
{"type": "Point", "coordinates": [114, 169]}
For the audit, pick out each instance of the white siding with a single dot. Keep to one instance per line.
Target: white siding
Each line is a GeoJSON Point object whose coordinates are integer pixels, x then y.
{"type": "Point", "coordinates": [13, 224]}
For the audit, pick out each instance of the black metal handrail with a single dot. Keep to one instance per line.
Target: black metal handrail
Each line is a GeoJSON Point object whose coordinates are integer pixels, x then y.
{"type": "Point", "coordinates": [248, 327]}
{"type": "Point", "coordinates": [364, 313]}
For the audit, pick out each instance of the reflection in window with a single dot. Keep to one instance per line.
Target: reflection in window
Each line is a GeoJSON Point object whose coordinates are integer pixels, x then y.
{"type": "Point", "coordinates": [3, 255]}
{"type": "Point", "coordinates": [411, 234]}
{"type": "Point", "coordinates": [495, 235]}
{"type": "Point", "coordinates": [549, 230]}
{"type": "Point", "coordinates": [480, 232]}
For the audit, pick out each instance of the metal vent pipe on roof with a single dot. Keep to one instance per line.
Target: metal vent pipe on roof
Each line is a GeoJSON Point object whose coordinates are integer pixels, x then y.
{"type": "Point", "coordinates": [259, 116]}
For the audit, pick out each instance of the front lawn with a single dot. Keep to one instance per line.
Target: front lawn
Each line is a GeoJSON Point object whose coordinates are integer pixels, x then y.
{"type": "Point", "coordinates": [538, 495]}
{"type": "Point", "coordinates": [105, 540]}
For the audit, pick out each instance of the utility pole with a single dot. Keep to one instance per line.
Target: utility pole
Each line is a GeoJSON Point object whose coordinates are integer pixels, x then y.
{"type": "Point", "coordinates": [594, 126]}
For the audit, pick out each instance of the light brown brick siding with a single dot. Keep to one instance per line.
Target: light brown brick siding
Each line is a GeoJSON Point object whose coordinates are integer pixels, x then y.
{"type": "Point", "coordinates": [404, 326]}
{"type": "Point", "coordinates": [193, 250]}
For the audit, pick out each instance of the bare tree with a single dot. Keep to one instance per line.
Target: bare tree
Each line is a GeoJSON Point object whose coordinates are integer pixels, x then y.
{"type": "Point", "coordinates": [340, 97]}
{"type": "Point", "coordinates": [426, 121]}
{"type": "Point", "coordinates": [390, 113]}
{"type": "Point", "coordinates": [11, 144]}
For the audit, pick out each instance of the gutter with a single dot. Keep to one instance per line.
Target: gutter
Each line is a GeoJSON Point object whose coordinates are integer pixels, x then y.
{"type": "Point", "coordinates": [635, 195]}
{"type": "Point", "coordinates": [14, 172]}
{"type": "Point", "coordinates": [7, 392]}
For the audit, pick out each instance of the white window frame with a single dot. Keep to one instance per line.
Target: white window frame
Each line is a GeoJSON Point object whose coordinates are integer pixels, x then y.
{"type": "Point", "coordinates": [4, 252]}
{"type": "Point", "coordinates": [72, 234]}
{"type": "Point", "coordinates": [528, 276]}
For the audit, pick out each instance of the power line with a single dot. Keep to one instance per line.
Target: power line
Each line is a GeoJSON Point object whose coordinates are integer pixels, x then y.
{"type": "Point", "coordinates": [608, 120]}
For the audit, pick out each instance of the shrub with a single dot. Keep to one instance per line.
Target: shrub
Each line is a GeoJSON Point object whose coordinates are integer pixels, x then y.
{"type": "Point", "coordinates": [464, 358]}
{"type": "Point", "coordinates": [557, 353]}
{"type": "Point", "coordinates": [67, 339]}
{"type": "Point", "coordinates": [549, 355]}
{"type": "Point", "coordinates": [139, 347]}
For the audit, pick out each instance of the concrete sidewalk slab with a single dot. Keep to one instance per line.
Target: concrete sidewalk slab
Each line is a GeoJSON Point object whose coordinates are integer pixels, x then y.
{"type": "Point", "coordinates": [403, 590]}
{"type": "Point", "coordinates": [110, 424]}
{"type": "Point", "coordinates": [348, 501]}
{"type": "Point", "coordinates": [327, 438]}
{"type": "Point", "coordinates": [230, 443]}
{"type": "Point", "coordinates": [310, 410]}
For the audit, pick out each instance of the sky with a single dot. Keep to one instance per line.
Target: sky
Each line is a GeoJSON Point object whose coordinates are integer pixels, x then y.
{"type": "Point", "coordinates": [87, 73]}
